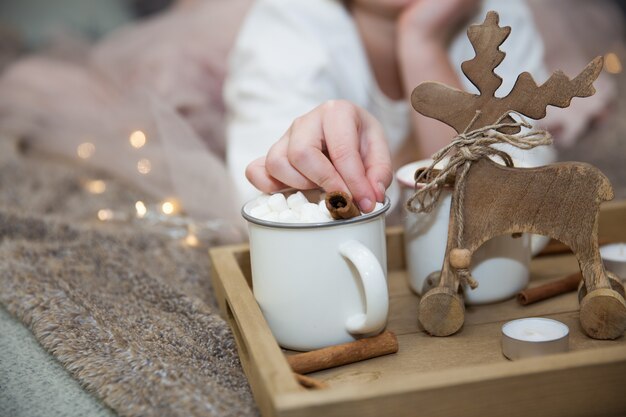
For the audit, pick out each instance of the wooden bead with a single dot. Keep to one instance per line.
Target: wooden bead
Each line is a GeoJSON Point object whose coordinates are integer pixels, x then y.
{"type": "Point", "coordinates": [460, 258]}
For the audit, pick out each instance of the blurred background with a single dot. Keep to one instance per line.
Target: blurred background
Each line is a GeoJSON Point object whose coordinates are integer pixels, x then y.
{"type": "Point", "coordinates": [35, 25]}
{"type": "Point", "coordinates": [109, 84]}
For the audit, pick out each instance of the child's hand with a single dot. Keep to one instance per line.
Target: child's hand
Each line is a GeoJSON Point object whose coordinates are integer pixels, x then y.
{"type": "Point", "coordinates": [424, 29]}
{"type": "Point", "coordinates": [435, 20]}
{"type": "Point", "coordinates": [337, 146]}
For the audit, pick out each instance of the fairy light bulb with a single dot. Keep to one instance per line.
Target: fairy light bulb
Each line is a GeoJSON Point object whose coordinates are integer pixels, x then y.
{"type": "Point", "coordinates": [137, 139]}
{"type": "Point", "coordinates": [141, 209]}
{"type": "Point", "coordinates": [612, 63]}
{"type": "Point", "coordinates": [96, 186]}
{"type": "Point", "coordinates": [86, 150]}
{"type": "Point", "coordinates": [144, 166]}
{"type": "Point", "coordinates": [167, 208]}
{"type": "Point", "coordinates": [170, 206]}
{"type": "Point", "coordinates": [192, 240]}
{"type": "Point", "coordinates": [105, 214]}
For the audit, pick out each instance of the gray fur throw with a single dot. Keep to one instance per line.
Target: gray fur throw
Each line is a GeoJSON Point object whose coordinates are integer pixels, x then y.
{"type": "Point", "coordinates": [128, 312]}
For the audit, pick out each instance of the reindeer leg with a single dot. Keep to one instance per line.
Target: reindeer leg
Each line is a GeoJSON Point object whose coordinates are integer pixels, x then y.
{"type": "Point", "coordinates": [442, 309]}
{"type": "Point", "coordinates": [602, 309]}
{"type": "Point", "coordinates": [614, 280]}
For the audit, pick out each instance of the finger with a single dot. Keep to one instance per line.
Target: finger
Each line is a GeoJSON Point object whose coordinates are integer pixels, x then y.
{"type": "Point", "coordinates": [377, 159]}
{"type": "Point", "coordinates": [306, 152]}
{"type": "Point", "coordinates": [280, 168]}
{"type": "Point", "coordinates": [259, 177]}
{"type": "Point", "coordinates": [343, 125]}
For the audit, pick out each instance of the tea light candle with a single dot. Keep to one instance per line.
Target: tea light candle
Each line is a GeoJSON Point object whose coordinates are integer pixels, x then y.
{"type": "Point", "coordinates": [614, 258]}
{"type": "Point", "coordinates": [536, 336]}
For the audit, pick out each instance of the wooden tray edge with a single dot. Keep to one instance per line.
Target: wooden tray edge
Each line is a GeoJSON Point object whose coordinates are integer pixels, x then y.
{"type": "Point", "coordinates": [262, 360]}
{"type": "Point", "coordinates": [525, 381]}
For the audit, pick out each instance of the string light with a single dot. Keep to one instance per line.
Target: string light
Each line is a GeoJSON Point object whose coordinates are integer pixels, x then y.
{"type": "Point", "coordinates": [86, 150]}
{"type": "Point", "coordinates": [612, 63]}
{"type": "Point", "coordinates": [192, 240]}
{"type": "Point", "coordinates": [167, 208]}
{"type": "Point", "coordinates": [144, 166]}
{"type": "Point", "coordinates": [137, 139]}
{"type": "Point", "coordinates": [141, 209]}
{"type": "Point", "coordinates": [96, 186]}
{"type": "Point", "coordinates": [170, 207]}
{"type": "Point", "coordinates": [105, 214]}
{"type": "Point", "coordinates": [168, 218]}
{"type": "Point", "coordinates": [165, 217]}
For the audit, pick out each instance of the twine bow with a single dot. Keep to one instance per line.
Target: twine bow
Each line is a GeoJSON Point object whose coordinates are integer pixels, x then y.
{"type": "Point", "coordinates": [464, 149]}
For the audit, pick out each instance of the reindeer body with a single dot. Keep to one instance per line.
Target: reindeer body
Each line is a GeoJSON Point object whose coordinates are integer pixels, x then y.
{"type": "Point", "coordinates": [561, 201]}
{"type": "Point", "coordinates": [548, 200]}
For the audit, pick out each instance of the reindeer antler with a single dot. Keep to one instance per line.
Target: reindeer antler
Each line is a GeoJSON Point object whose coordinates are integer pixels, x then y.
{"type": "Point", "coordinates": [486, 40]}
{"type": "Point", "coordinates": [457, 108]}
{"type": "Point", "coordinates": [532, 100]}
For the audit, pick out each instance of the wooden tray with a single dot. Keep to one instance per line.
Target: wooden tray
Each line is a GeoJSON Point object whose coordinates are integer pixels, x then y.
{"type": "Point", "coordinates": [464, 374]}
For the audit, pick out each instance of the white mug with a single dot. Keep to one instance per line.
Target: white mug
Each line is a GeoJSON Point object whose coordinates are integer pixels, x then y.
{"type": "Point", "coordinates": [500, 266]}
{"type": "Point", "coordinates": [320, 284]}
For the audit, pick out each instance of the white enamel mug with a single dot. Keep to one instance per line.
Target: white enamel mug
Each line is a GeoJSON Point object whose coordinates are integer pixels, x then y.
{"type": "Point", "coordinates": [320, 284]}
{"type": "Point", "coordinates": [501, 265]}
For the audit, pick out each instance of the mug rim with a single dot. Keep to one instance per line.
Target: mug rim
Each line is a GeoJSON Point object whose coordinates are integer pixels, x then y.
{"type": "Point", "coordinates": [402, 174]}
{"type": "Point", "coordinates": [332, 223]}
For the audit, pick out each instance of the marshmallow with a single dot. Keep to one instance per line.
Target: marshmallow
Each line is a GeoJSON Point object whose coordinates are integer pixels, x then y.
{"type": "Point", "coordinates": [261, 200]}
{"type": "Point", "coordinates": [272, 216]}
{"type": "Point", "coordinates": [288, 216]}
{"type": "Point", "coordinates": [309, 209]}
{"type": "Point", "coordinates": [277, 202]}
{"type": "Point", "coordinates": [310, 213]}
{"type": "Point", "coordinates": [293, 209]}
{"type": "Point", "coordinates": [324, 210]}
{"type": "Point", "coordinates": [296, 200]}
{"type": "Point", "coordinates": [320, 218]}
{"type": "Point", "coordinates": [260, 210]}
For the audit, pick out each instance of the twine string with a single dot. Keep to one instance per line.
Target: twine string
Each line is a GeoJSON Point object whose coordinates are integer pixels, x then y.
{"type": "Point", "coordinates": [467, 147]}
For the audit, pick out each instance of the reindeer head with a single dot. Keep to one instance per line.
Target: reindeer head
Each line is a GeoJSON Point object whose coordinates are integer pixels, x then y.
{"type": "Point", "coordinates": [457, 108]}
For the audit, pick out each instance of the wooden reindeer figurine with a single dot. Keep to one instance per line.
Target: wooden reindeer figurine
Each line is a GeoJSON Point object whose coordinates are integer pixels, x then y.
{"type": "Point", "coordinates": [560, 200]}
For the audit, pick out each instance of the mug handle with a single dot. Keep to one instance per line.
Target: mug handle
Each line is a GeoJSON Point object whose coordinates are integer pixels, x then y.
{"type": "Point", "coordinates": [374, 286]}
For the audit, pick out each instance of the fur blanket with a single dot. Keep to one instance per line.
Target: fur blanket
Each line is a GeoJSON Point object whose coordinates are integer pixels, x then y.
{"type": "Point", "coordinates": [127, 311]}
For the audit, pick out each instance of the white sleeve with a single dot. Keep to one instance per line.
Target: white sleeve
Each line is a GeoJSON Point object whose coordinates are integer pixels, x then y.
{"type": "Point", "coordinates": [277, 72]}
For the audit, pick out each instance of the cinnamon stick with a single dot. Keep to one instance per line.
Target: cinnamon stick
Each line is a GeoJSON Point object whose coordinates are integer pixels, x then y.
{"type": "Point", "coordinates": [310, 383]}
{"type": "Point", "coordinates": [330, 357]}
{"type": "Point", "coordinates": [341, 206]}
{"type": "Point", "coordinates": [550, 289]}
